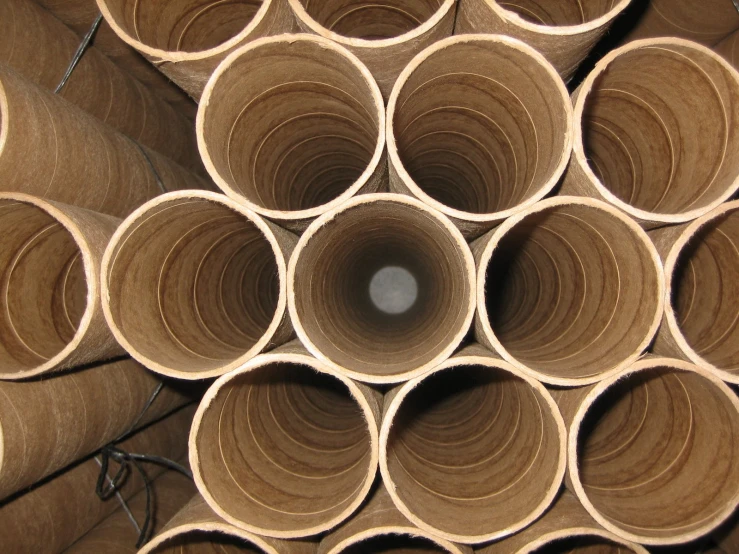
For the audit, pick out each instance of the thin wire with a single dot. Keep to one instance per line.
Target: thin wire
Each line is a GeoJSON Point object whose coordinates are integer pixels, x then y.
{"type": "Point", "coordinates": [84, 45]}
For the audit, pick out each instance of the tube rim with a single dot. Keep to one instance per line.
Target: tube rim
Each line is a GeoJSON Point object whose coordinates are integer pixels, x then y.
{"type": "Point", "coordinates": [571, 532]}
{"type": "Point", "coordinates": [208, 527]}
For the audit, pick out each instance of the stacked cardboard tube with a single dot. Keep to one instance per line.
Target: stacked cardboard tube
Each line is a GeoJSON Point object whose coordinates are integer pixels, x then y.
{"type": "Point", "coordinates": [440, 303]}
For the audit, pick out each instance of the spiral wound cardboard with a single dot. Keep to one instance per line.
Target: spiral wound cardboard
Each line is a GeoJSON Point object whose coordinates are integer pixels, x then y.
{"type": "Point", "coordinates": [384, 36]}
{"type": "Point", "coordinates": [56, 513]}
{"type": "Point", "coordinates": [187, 39]}
{"type": "Point", "coordinates": [707, 21]}
{"type": "Point", "coordinates": [51, 149]}
{"type": "Point", "coordinates": [657, 131]}
{"type": "Point", "coordinates": [566, 527]}
{"type": "Point", "coordinates": [473, 450]}
{"type": "Point", "coordinates": [569, 291]}
{"type": "Point", "coordinates": [193, 284]}
{"type": "Point", "coordinates": [196, 528]}
{"type": "Point", "coordinates": [701, 322]}
{"type": "Point", "coordinates": [653, 451]}
{"type": "Point", "coordinates": [40, 47]}
{"type": "Point", "coordinates": [564, 31]}
{"type": "Point", "coordinates": [79, 404]}
{"type": "Point", "coordinates": [293, 126]}
{"type": "Point", "coordinates": [478, 127]}
{"type": "Point", "coordinates": [332, 270]}
{"type": "Point", "coordinates": [79, 16]}
{"type": "Point", "coordinates": [378, 524]}
{"type": "Point", "coordinates": [50, 281]}
{"type": "Point", "coordinates": [285, 446]}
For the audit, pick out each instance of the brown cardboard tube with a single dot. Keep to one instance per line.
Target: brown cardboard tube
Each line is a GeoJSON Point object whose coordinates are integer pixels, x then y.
{"type": "Point", "coordinates": [52, 516]}
{"type": "Point", "coordinates": [330, 279]}
{"type": "Point", "coordinates": [706, 22]}
{"type": "Point", "coordinates": [653, 451]}
{"type": "Point", "coordinates": [40, 47]}
{"type": "Point", "coordinates": [79, 16]}
{"type": "Point", "coordinates": [565, 528]}
{"type": "Point", "coordinates": [197, 529]}
{"type": "Point", "coordinates": [293, 126]}
{"type": "Point", "coordinates": [51, 314]}
{"type": "Point", "coordinates": [380, 527]}
{"type": "Point", "coordinates": [187, 39]}
{"type": "Point", "coordinates": [701, 322]}
{"type": "Point", "coordinates": [478, 127]}
{"type": "Point", "coordinates": [473, 450]}
{"type": "Point", "coordinates": [563, 30]}
{"type": "Point", "coordinates": [729, 49]}
{"type": "Point", "coordinates": [656, 131]}
{"type": "Point", "coordinates": [569, 291]}
{"type": "Point", "coordinates": [193, 284]}
{"type": "Point", "coordinates": [285, 446]}
{"type": "Point", "coordinates": [88, 408]}
{"type": "Point", "coordinates": [51, 149]}
{"type": "Point", "coordinates": [385, 36]}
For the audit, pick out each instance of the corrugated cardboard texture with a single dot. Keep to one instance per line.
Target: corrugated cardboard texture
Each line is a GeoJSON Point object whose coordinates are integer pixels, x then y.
{"type": "Point", "coordinates": [479, 127]}
{"type": "Point", "coordinates": [194, 284]}
{"type": "Point", "coordinates": [293, 126]}
{"type": "Point", "coordinates": [384, 36]}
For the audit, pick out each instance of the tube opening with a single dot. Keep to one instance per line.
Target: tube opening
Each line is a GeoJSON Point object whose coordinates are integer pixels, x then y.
{"type": "Point", "coordinates": [482, 126]}
{"type": "Point", "coordinates": [183, 25]}
{"type": "Point", "coordinates": [395, 544]}
{"type": "Point", "coordinates": [572, 291]}
{"type": "Point", "coordinates": [371, 20]}
{"type": "Point", "coordinates": [291, 125]}
{"type": "Point", "coordinates": [333, 296]}
{"type": "Point", "coordinates": [284, 448]}
{"type": "Point", "coordinates": [193, 285]}
{"type": "Point", "coordinates": [705, 289]}
{"type": "Point", "coordinates": [658, 128]}
{"type": "Point", "coordinates": [583, 544]}
{"type": "Point", "coordinates": [658, 454]}
{"type": "Point", "coordinates": [559, 13]}
{"type": "Point", "coordinates": [474, 451]}
{"type": "Point", "coordinates": [43, 287]}
{"type": "Point", "coordinates": [201, 542]}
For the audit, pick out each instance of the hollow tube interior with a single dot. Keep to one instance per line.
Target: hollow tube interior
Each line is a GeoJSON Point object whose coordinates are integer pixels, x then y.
{"type": "Point", "coordinates": [557, 13]}
{"type": "Point", "coordinates": [203, 542]}
{"type": "Point", "coordinates": [395, 544]}
{"type": "Point", "coordinates": [582, 544]}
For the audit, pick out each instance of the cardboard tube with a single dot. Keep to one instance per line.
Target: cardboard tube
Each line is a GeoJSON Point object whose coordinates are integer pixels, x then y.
{"type": "Point", "coordinates": [56, 513]}
{"type": "Point", "coordinates": [51, 149]}
{"type": "Point", "coordinates": [380, 527]}
{"type": "Point", "coordinates": [194, 284]}
{"type": "Point", "coordinates": [79, 16]}
{"type": "Point", "coordinates": [40, 47]}
{"type": "Point", "coordinates": [706, 22]}
{"type": "Point", "coordinates": [50, 258]}
{"type": "Point", "coordinates": [569, 291]}
{"type": "Point", "coordinates": [656, 131]}
{"type": "Point", "coordinates": [473, 450]}
{"type": "Point", "coordinates": [197, 529]}
{"type": "Point", "coordinates": [478, 127]}
{"type": "Point", "coordinates": [292, 126]}
{"type": "Point", "coordinates": [565, 528]}
{"type": "Point", "coordinates": [385, 36]}
{"type": "Point", "coordinates": [187, 39]}
{"type": "Point", "coordinates": [701, 322]}
{"type": "Point", "coordinates": [729, 49]}
{"type": "Point", "coordinates": [330, 277]}
{"type": "Point", "coordinates": [285, 446]}
{"type": "Point", "coordinates": [564, 31]}
{"type": "Point", "coordinates": [46, 425]}
{"type": "Point", "coordinates": [653, 451]}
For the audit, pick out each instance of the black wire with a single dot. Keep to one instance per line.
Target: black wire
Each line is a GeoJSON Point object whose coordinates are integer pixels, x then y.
{"type": "Point", "coordinates": [84, 45]}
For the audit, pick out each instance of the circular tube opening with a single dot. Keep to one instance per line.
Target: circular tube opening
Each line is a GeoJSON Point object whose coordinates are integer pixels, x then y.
{"type": "Point", "coordinates": [479, 126]}
{"type": "Point", "coordinates": [193, 285]}
{"type": "Point", "coordinates": [205, 542]}
{"type": "Point", "coordinates": [291, 125]}
{"type": "Point", "coordinates": [330, 293]}
{"type": "Point", "coordinates": [658, 136]}
{"type": "Point", "coordinates": [284, 448]}
{"type": "Point", "coordinates": [190, 26]}
{"type": "Point", "coordinates": [582, 544]}
{"type": "Point", "coordinates": [704, 291]}
{"type": "Point", "coordinates": [473, 452]}
{"type": "Point", "coordinates": [570, 291]}
{"type": "Point", "coordinates": [654, 454]}
{"type": "Point", "coordinates": [559, 13]}
{"type": "Point", "coordinates": [43, 287]}
{"type": "Point", "coordinates": [395, 544]}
